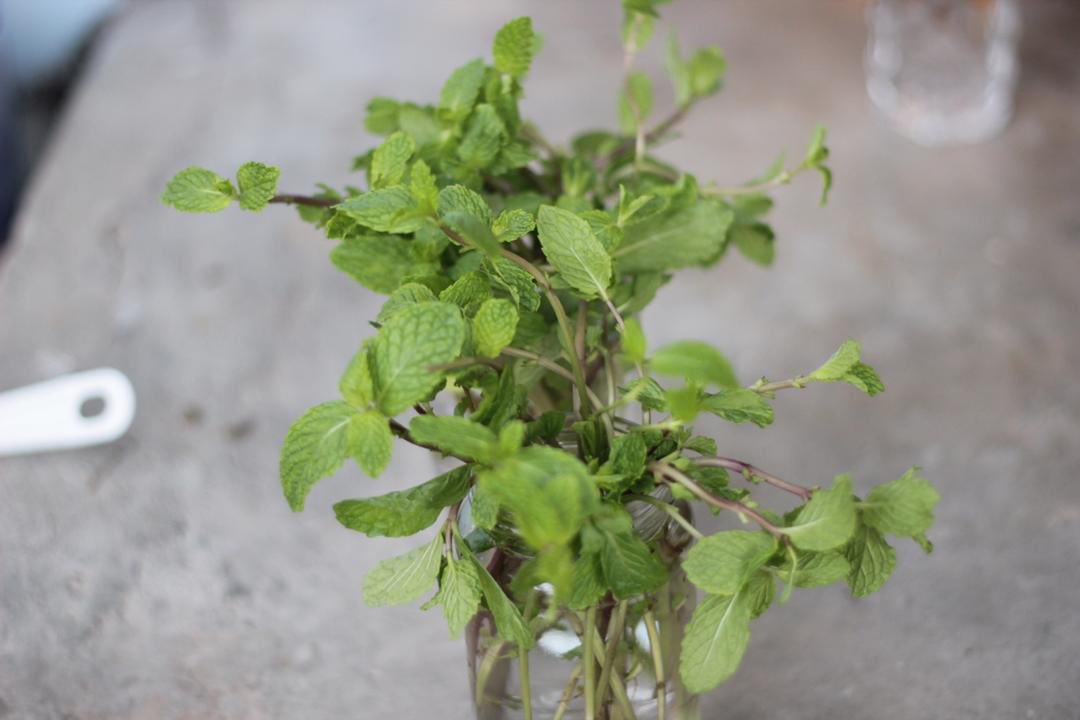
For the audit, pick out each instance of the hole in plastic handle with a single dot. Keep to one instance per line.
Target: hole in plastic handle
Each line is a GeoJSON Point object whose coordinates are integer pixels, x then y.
{"type": "Point", "coordinates": [92, 407]}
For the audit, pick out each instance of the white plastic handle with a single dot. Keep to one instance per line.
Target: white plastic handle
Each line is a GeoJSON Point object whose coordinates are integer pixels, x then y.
{"type": "Point", "coordinates": [49, 415]}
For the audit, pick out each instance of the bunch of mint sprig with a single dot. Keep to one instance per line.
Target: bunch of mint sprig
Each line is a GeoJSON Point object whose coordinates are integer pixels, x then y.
{"type": "Point", "coordinates": [515, 271]}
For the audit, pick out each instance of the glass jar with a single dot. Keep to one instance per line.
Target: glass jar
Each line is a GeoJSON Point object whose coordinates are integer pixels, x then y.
{"type": "Point", "coordinates": [635, 645]}
{"type": "Point", "coordinates": [943, 71]}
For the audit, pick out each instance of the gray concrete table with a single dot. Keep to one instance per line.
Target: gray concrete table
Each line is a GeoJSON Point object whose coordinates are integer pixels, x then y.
{"type": "Point", "coordinates": [164, 577]}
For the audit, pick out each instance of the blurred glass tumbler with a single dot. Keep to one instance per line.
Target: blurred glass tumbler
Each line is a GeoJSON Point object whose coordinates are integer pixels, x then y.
{"type": "Point", "coordinates": [943, 71]}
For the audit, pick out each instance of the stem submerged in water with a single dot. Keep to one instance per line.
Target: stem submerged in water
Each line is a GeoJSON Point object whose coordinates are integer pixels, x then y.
{"type": "Point", "coordinates": [658, 664]}
{"type": "Point", "coordinates": [526, 691]}
{"type": "Point", "coordinates": [589, 661]}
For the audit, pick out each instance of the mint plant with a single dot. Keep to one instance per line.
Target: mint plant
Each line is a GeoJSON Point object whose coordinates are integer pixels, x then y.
{"type": "Point", "coordinates": [515, 271]}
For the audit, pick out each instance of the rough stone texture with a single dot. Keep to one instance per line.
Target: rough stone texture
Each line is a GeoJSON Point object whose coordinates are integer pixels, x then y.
{"type": "Point", "coordinates": [163, 577]}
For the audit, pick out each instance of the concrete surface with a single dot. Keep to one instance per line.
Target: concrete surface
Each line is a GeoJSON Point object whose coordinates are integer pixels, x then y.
{"type": "Point", "coordinates": [164, 577]}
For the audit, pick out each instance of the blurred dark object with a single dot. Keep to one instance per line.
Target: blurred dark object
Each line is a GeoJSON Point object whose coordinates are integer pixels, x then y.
{"type": "Point", "coordinates": [42, 47]}
{"type": "Point", "coordinates": [8, 161]}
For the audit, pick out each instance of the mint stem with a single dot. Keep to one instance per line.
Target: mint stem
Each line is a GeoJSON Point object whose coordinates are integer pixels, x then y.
{"type": "Point", "coordinates": [673, 476]}
{"type": "Point", "coordinates": [291, 199]}
{"type": "Point", "coordinates": [526, 690]}
{"type": "Point", "coordinates": [588, 660]}
{"type": "Point", "coordinates": [745, 468]}
{"type": "Point", "coordinates": [565, 335]}
{"type": "Point", "coordinates": [658, 663]}
{"type": "Point", "coordinates": [568, 693]}
{"type": "Point", "coordinates": [653, 135]}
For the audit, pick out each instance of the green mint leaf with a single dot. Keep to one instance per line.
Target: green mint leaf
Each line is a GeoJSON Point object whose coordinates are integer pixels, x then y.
{"type": "Point", "coordinates": [315, 447]}
{"type": "Point", "coordinates": [512, 224]}
{"type": "Point", "coordinates": [756, 241]}
{"type": "Point", "coordinates": [554, 564]}
{"type": "Point", "coordinates": [494, 326]}
{"type": "Point", "coordinates": [390, 209]}
{"type": "Point", "coordinates": [845, 366]}
{"type": "Point", "coordinates": [382, 115]}
{"type": "Point", "coordinates": [647, 392]}
{"type": "Point", "coordinates": [591, 437]}
{"type": "Point", "coordinates": [760, 591]}
{"type": "Point", "coordinates": [642, 291]}
{"type": "Point", "coordinates": [533, 333]}
{"type": "Point", "coordinates": [636, 208]}
{"type": "Point", "coordinates": [903, 507]}
{"type": "Point", "coordinates": [473, 231]}
{"type": "Point", "coordinates": [460, 198]}
{"type": "Point", "coordinates": [574, 251]}
{"type": "Point", "coordinates": [516, 281]}
{"type": "Point", "coordinates": [511, 437]}
{"type": "Point", "coordinates": [865, 378]}
{"type": "Point", "coordinates": [514, 46]}
{"type": "Point", "coordinates": [816, 151]}
{"type": "Point", "coordinates": [406, 295]}
{"type": "Point", "coordinates": [706, 69]}
{"type": "Point", "coordinates": [484, 508]}
{"type": "Point", "coordinates": [715, 640]}
{"type": "Point", "coordinates": [370, 441]}
{"type": "Point", "coordinates": [468, 292]}
{"type": "Point", "coordinates": [587, 584]}
{"type": "Point", "coordinates": [638, 23]}
{"type": "Point", "coordinates": [630, 568]}
{"type": "Point", "coordinates": [816, 155]}
{"type": "Point", "coordinates": [739, 405]}
{"type": "Point", "coordinates": [390, 160]}
{"type": "Point", "coordinates": [633, 341]}
{"type": "Point", "coordinates": [503, 403]}
{"type": "Point", "coordinates": [428, 244]}
{"type": "Point", "coordinates": [196, 189]}
{"type": "Point", "coordinates": [815, 569]}
{"type": "Point", "coordinates": [378, 262]}
{"type": "Point", "coordinates": [694, 235]}
{"type": "Point", "coordinates": [548, 492]}
{"type": "Point", "coordinates": [872, 561]}
{"type": "Point", "coordinates": [716, 481]}
{"type": "Point", "coordinates": [459, 93]}
{"type": "Point", "coordinates": [578, 178]}
{"type": "Point", "coordinates": [356, 384]}
{"type": "Point", "coordinates": [546, 427]}
{"type": "Point", "coordinates": [257, 183]}
{"type": "Point", "coordinates": [836, 367]}
{"type": "Point", "coordinates": [694, 361]}
{"type": "Point", "coordinates": [514, 154]}
{"type": "Point", "coordinates": [679, 72]}
{"type": "Point", "coordinates": [684, 402]}
{"type": "Point", "coordinates": [753, 205]}
{"type": "Point", "coordinates": [508, 618]}
{"type": "Point", "coordinates": [416, 337]}
{"type": "Point", "coordinates": [723, 562]}
{"type": "Point", "coordinates": [628, 456]}
{"type": "Point", "coordinates": [635, 102]}
{"type": "Point", "coordinates": [459, 593]}
{"type": "Point", "coordinates": [455, 436]}
{"type": "Point", "coordinates": [421, 124]}
{"type": "Point", "coordinates": [404, 578]}
{"type": "Point", "coordinates": [827, 521]}
{"type": "Point", "coordinates": [703, 445]}
{"type": "Point", "coordinates": [404, 512]}
{"type": "Point", "coordinates": [644, 7]}
{"type": "Point", "coordinates": [483, 139]}
{"type": "Point", "coordinates": [422, 187]}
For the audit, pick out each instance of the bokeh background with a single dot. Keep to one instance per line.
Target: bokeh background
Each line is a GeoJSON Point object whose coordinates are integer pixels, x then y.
{"type": "Point", "coordinates": [163, 576]}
